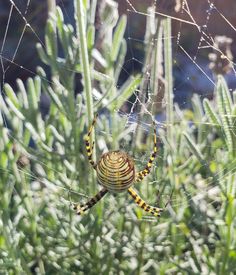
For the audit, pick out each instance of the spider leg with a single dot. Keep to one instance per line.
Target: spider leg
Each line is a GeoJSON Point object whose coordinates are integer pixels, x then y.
{"type": "Point", "coordinates": [81, 208]}
{"type": "Point", "coordinates": [141, 203]}
{"type": "Point", "coordinates": [89, 148]}
{"type": "Point", "coordinates": [140, 175]}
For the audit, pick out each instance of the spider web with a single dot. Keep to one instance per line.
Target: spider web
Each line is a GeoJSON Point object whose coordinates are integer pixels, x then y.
{"type": "Point", "coordinates": [193, 65]}
{"type": "Point", "coordinates": [191, 75]}
{"type": "Point", "coordinates": [203, 44]}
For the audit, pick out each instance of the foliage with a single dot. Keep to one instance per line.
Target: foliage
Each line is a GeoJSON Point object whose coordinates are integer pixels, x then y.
{"type": "Point", "coordinates": [44, 168]}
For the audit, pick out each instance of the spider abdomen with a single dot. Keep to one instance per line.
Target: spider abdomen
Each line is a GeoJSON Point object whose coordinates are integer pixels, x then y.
{"type": "Point", "coordinates": [115, 171]}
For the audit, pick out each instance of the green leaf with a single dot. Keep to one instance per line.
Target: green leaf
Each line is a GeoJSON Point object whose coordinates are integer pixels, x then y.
{"type": "Point", "coordinates": [1, 119]}
{"type": "Point", "coordinates": [124, 93]}
{"type": "Point", "coordinates": [50, 41]}
{"type": "Point", "coordinates": [42, 54]}
{"type": "Point", "coordinates": [118, 37]}
{"type": "Point", "coordinates": [224, 112]}
{"type": "Point", "coordinates": [33, 132]}
{"type": "Point", "coordinates": [60, 23]}
{"type": "Point", "coordinates": [228, 104]}
{"type": "Point", "coordinates": [66, 39]}
{"type": "Point", "coordinates": [211, 114]}
{"type": "Point", "coordinates": [32, 96]}
{"type": "Point", "coordinates": [90, 36]}
{"type": "Point", "coordinates": [4, 108]}
{"type": "Point", "coordinates": [56, 134]}
{"type": "Point", "coordinates": [234, 96]}
{"type": "Point", "coordinates": [37, 84]}
{"type": "Point", "coordinates": [3, 160]}
{"type": "Point", "coordinates": [11, 95]}
{"type": "Point", "coordinates": [234, 118]}
{"type": "Point", "coordinates": [13, 102]}
{"type": "Point", "coordinates": [99, 58]}
{"type": "Point", "coordinates": [22, 93]}
{"type": "Point", "coordinates": [55, 99]}
{"type": "Point", "coordinates": [120, 59]}
{"type": "Point", "coordinates": [197, 107]}
{"type": "Point", "coordinates": [193, 147]}
{"type": "Point", "coordinates": [14, 109]}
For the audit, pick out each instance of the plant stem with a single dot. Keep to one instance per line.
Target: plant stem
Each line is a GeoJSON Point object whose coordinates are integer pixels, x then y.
{"type": "Point", "coordinates": [81, 34]}
{"type": "Point", "coordinates": [157, 69]}
{"type": "Point", "coordinates": [52, 6]}
{"type": "Point", "coordinates": [169, 80]}
{"type": "Point", "coordinates": [52, 10]}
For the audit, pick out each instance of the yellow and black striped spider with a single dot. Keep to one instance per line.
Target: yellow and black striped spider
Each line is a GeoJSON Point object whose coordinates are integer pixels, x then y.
{"type": "Point", "coordinates": [116, 173]}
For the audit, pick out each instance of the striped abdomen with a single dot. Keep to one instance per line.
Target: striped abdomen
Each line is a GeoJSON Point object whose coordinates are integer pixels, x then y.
{"type": "Point", "coordinates": [115, 171]}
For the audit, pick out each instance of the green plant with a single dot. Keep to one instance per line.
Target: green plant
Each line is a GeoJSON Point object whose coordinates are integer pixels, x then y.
{"type": "Point", "coordinates": [44, 168]}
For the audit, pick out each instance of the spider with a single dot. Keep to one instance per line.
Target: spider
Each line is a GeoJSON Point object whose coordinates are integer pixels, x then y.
{"type": "Point", "coordinates": [116, 173]}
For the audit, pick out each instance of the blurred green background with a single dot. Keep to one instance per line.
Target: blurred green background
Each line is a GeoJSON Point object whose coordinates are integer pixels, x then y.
{"type": "Point", "coordinates": [83, 69]}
